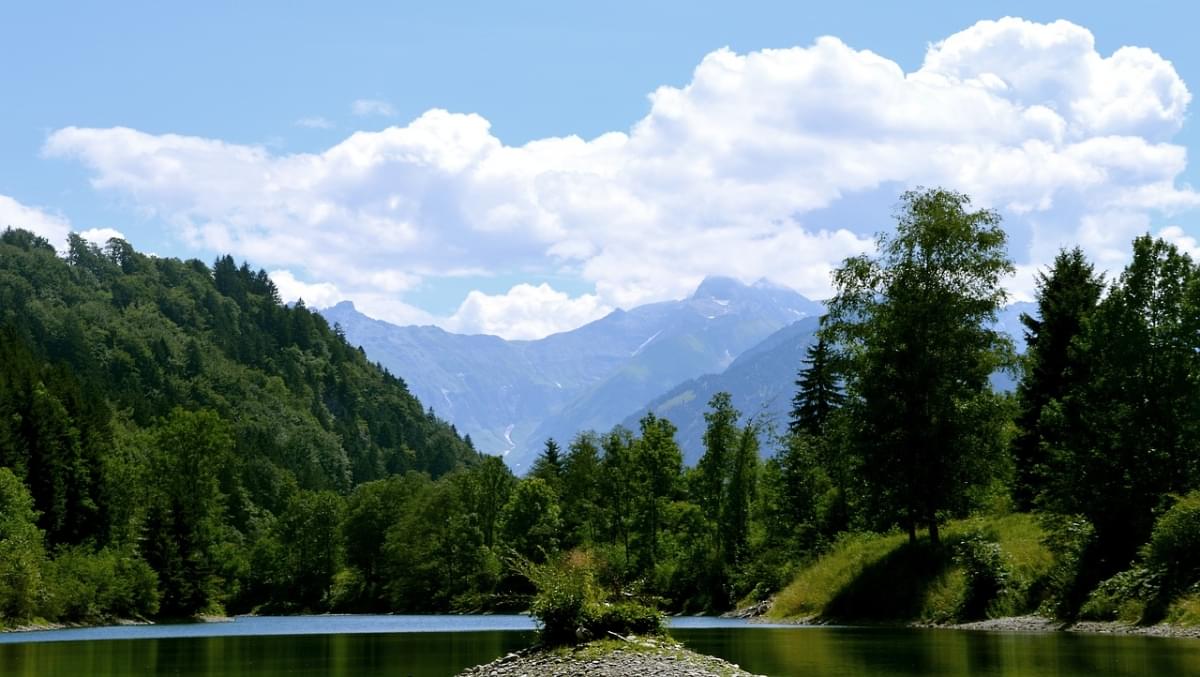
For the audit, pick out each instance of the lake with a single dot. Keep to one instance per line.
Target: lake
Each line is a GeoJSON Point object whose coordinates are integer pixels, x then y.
{"type": "Point", "coordinates": [371, 646]}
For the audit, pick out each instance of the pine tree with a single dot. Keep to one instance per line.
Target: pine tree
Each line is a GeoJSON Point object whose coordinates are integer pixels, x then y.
{"type": "Point", "coordinates": [548, 465]}
{"type": "Point", "coordinates": [1067, 294]}
{"type": "Point", "coordinates": [818, 394]}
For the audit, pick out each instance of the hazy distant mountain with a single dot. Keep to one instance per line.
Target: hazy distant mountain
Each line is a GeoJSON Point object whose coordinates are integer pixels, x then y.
{"type": "Point", "coordinates": [762, 382]}
{"type": "Point", "coordinates": [509, 396]}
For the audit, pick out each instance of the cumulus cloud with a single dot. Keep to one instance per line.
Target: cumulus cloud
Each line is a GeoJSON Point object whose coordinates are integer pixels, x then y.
{"type": "Point", "coordinates": [525, 312]}
{"type": "Point", "coordinates": [101, 236]}
{"type": "Point", "coordinates": [291, 289]}
{"type": "Point", "coordinates": [751, 169]}
{"type": "Point", "coordinates": [53, 227]}
{"type": "Point", "coordinates": [369, 107]}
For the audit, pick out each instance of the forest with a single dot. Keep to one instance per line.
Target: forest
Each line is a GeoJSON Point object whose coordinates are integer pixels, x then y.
{"type": "Point", "coordinates": [175, 441]}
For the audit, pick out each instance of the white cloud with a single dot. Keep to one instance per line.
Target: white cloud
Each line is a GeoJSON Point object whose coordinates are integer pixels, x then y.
{"type": "Point", "coordinates": [369, 107]}
{"type": "Point", "coordinates": [320, 295]}
{"type": "Point", "coordinates": [525, 312]}
{"type": "Point", "coordinates": [727, 175]}
{"type": "Point", "coordinates": [101, 236]}
{"type": "Point", "coordinates": [315, 122]}
{"type": "Point", "coordinates": [53, 227]}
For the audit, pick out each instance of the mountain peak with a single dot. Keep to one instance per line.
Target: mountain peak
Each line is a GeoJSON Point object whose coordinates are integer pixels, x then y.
{"type": "Point", "coordinates": [344, 306]}
{"type": "Point", "coordinates": [718, 287]}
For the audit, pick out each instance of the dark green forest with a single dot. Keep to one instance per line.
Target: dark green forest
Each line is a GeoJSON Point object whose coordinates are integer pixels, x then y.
{"type": "Point", "coordinates": [174, 442]}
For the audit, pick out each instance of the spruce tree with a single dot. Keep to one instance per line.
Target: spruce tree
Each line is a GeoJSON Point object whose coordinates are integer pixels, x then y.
{"type": "Point", "coordinates": [1066, 295]}
{"type": "Point", "coordinates": [817, 394]}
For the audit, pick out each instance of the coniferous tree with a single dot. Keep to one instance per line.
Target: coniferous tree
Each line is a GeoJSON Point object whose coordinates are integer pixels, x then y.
{"type": "Point", "coordinates": [1067, 294]}
{"type": "Point", "coordinates": [548, 465]}
{"type": "Point", "coordinates": [657, 463]}
{"type": "Point", "coordinates": [818, 394]}
{"type": "Point", "coordinates": [1128, 433]}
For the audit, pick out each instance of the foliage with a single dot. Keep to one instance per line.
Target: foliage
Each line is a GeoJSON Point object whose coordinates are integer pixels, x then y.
{"type": "Point", "coordinates": [1066, 295]}
{"type": "Point", "coordinates": [22, 553]}
{"type": "Point", "coordinates": [571, 606]}
{"type": "Point", "coordinates": [1122, 597]}
{"type": "Point", "coordinates": [998, 567]}
{"type": "Point", "coordinates": [986, 574]}
{"type": "Point", "coordinates": [161, 414]}
{"type": "Point", "coordinates": [818, 394]}
{"type": "Point", "coordinates": [1174, 547]}
{"type": "Point", "coordinates": [911, 328]}
{"type": "Point", "coordinates": [1129, 431]}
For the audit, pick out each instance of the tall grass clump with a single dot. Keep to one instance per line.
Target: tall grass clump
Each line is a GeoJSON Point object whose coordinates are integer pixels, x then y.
{"type": "Point", "coordinates": [571, 606]}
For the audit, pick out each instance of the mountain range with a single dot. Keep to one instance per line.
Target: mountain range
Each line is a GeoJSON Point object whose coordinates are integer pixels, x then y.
{"type": "Point", "coordinates": [510, 396]}
{"type": "Point", "coordinates": [668, 357]}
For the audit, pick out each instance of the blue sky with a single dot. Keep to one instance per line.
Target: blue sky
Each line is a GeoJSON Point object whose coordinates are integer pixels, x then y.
{"type": "Point", "coordinates": [276, 81]}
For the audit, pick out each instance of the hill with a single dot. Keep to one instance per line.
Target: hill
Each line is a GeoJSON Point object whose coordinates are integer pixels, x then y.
{"type": "Point", "coordinates": [158, 415]}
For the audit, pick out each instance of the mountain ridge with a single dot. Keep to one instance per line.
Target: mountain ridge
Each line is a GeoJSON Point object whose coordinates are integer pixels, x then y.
{"type": "Point", "coordinates": [509, 396]}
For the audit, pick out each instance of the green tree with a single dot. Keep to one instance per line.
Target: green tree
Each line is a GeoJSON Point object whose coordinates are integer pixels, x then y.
{"type": "Point", "coordinates": [548, 465]}
{"type": "Point", "coordinates": [1066, 295]}
{"type": "Point", "coordinates": [22, 553]}
{"type": "Point", "coordinates": [531, 520]}
{"type": "Point", "coordinates": [307, 532]}
{"type": "Point", "coordinates": [184, 524]}
{"type": "Point", "coordinates": [434, 557]}
{"type": "Point", "coordinates": [912, 329]}
{"type": "Point", "coordinates": [488, 486]}
{"type": "Point", "coordinates": [818, 395]}
{"type": "Point", "coordinates": [1128, 433]}
{"type": "Point", "coordinates": [581, 502]}
{"type": "Point", "coordinates": [720, 446]}
{"type": "Point", "coordinates": [657, 463]}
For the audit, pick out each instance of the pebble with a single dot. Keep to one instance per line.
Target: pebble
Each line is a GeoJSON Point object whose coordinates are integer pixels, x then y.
{"type": "Point", "coordinates": [665, 658]}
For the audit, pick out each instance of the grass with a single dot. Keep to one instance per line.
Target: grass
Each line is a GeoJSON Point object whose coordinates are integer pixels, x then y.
{"type": "Point", "coordinates": [877, 577]}
{"type": "Point", "coordinates": [1185, 610]}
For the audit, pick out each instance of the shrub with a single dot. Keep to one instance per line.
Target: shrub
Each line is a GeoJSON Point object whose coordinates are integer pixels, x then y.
{"type": "Point", "coordinates": [1174, 546]}
{"type": "Point", "coordinates": [91, 586]}
{"type": "Point", "coordinates": [1072, 539]}
{"type": "Point", "coordinates": [986, 571]}
{"type": "Point", "coordinates": [1122, 597]}
{"type": "Point", "coordinates": [571, 606]}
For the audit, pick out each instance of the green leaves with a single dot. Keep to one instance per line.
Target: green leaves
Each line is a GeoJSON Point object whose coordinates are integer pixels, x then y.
{"type": "Point", "coordinates": [912, 337]}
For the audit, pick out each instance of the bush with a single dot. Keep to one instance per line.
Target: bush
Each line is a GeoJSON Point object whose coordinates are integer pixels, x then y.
{"type": "Point", "coordinates": [92, 586]}
{"type": "Point", "coordinates": [1122, 597]}
{"type": "Point", "coordinates": [571, 606]}
{"type": "Point", "coordinates": [986, 571]}
{"type": "Point", "coordinates": [1072, 539]}
{"type": "Point", "coordinates": [1174, 546]}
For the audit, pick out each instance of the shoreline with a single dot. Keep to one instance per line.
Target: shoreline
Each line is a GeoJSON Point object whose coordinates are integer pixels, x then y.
{"type": "Point", "coordinates": [1031, 623]}
{"type": "Point", "coordinates": [43, 626]}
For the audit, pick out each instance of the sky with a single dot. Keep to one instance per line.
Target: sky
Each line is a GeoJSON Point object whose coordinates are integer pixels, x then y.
{"type": "Point", "coordinates": [523, 168]}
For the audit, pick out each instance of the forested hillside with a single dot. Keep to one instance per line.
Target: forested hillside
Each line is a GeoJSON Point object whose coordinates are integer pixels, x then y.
{"type": "Point", "coordinates": [171, 435]}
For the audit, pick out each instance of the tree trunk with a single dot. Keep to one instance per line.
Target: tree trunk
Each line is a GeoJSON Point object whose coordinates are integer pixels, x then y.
{"type": "Point", "coordinates": [934, 539]}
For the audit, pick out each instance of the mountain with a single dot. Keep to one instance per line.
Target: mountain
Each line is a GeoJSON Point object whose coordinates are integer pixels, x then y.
{"type": "Point", "coordinates": [509, 396]}
{"type": "Point", "coordinates": [762, 382]}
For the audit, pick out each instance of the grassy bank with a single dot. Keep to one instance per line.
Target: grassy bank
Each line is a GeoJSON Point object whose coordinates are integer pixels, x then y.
{"type": "Point", "coordinates": [986, 567]}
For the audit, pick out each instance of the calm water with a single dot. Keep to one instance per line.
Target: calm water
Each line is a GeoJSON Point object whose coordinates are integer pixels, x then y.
{"type": "Point", "coordinates": [443, 645]}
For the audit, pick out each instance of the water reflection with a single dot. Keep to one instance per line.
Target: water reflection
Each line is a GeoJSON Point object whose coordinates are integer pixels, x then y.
{"type": "Point", "coordinates": [811, 652]}
{"type": "Point", "coordinates": [870, 652]}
